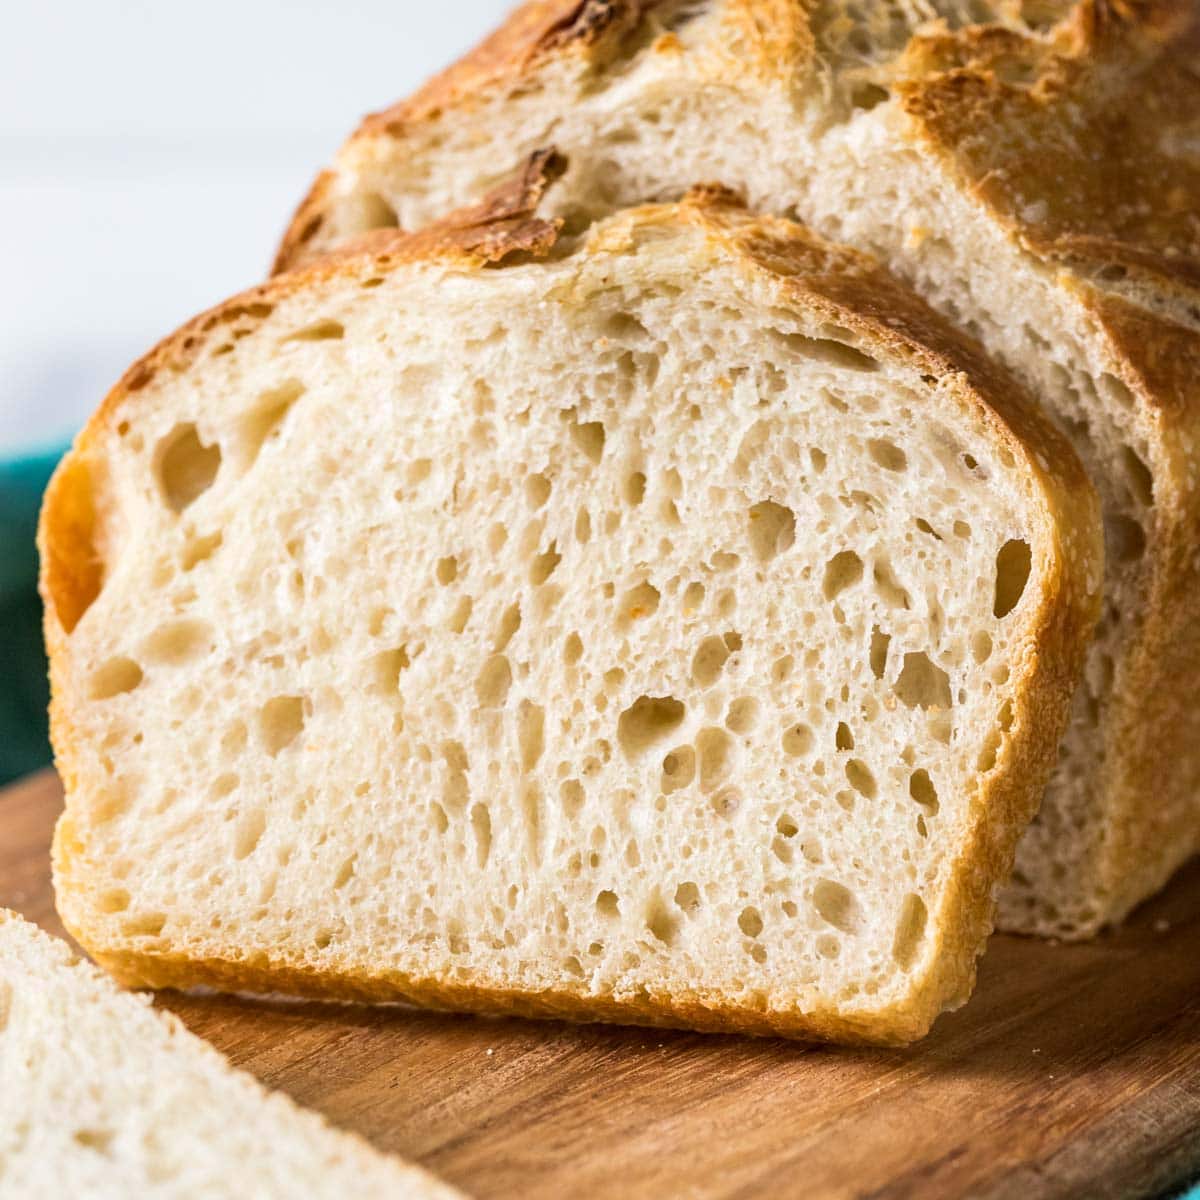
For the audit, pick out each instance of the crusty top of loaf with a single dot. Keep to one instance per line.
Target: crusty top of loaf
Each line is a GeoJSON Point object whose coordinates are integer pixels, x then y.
{"type": "Point", "coordinates": [1078, 132]}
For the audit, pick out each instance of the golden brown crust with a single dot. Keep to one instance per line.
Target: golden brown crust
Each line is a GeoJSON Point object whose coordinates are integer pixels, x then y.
{"type": "Point", "coordinates": [533, 32]}
{"type": "Point", "coordinates": [1084, 145]}
{"type": "Point", "coordinates": [849, 291]}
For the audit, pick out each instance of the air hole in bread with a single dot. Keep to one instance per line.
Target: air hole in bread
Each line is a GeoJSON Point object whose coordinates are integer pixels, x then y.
{"type": "Point", "coordinates": [708, 661]}
{"type": "Point", "coordinates": [772, 529]}
{"type": "Point", "coordinates": [588, 436]}
{"type": "Point", "coordinates": [187, 466]}
{"type": "Point", "coordinates": [199, 549]}
{"type": "Point", "coordinates": [678, 769]}
{"type": "Point", "coordinates": [530, 733]}
{"type": "Point", "coordinates": [625, 328]}
{"type": "Point", "coordinates": [1116, 390]}
{"type": "Point", "coordinates": [537, 490]}
{"type": "Point", "coordinates": [178, 642]}
{"type": "Point", "coordinates": [280, 722]}
{"type": "Point", "coordinates": [888, 455]}
{"type": "Point", "coordinates": [510, 622]}
{"type": "Point", "coordinates": [99, 1140]}
{"type": "Point", "coordinates": [1124, 538]}
{"type": "Point", "coordinates": [844, 739]}
{"type": "Point", "coordinates": [572, 649]}
{"type": "Point", "coordinates": [714, 755]}
{"type": "Point", "coordinates": [842, 571]}
{"type": "Point", "coordinates": [544, 564]}
{"type": "Point", "coordinates": [607, 905]}
{"type": "Point", "coordinates": [910, 930]}
{"type": "Point", "coordinates": [889, 587]}
{"type": "Point", "coordinates": [387, 667]}
{"type": "Point", "coordinates": [264, 421]}
{"type": "Point", "coordinates": [687, 898]}
{"type": "Point", "coordinates": [830, 351]}
{"type": "Point", "coordinates": [115, 677]}
{"type": "Point", "coordinates": [446, 570]}
{"type": "Point", "coordinates": [371, 211]}
{"type": "Point", "coordinates": [114, 900]}
{"type": "Point", "coordinates": [648, 721]}
{"type": "Point", "coordinates": [635, 488]}
{"type": "Point", "coordinates": [867, 96]}
{"type": "Point", "coordinates": [742, 715]}
{"type": "Point", "coordinates": [797, 740]}
{"type": "Point", "coordinates": [250, 829]}
{"type": "Point", "coordinates": [987, 755]}
{"type": "Point", "coordinates": [750, 922]}
{"type": "Point", "coordinates": [638, 603]}
{"type": "Point", "coordinates": [922, 684]}
{"type": "Point", "coordinates": [1141, 482]}
{"type": "Point", "coordinates": [836, 905]}
{"type": "Point", "coordinates": [1012, 573]}
{"type": "Point", "coordinates": [149, 924]}
{"type": "Point", "coordinates": [981, 646]}
{"type": "Point", "coordinates": [661, 921]}
{"type": "Point", "coordinates": [319, 331]}
{"type": "Point", "coordinates": [880, 642]}
{"type": "Point", "coordinates": [860, 778]}
{"type": "Point", "coordinates": [921, 789]}
{"type": "Point", "coordinates": [460, 614]}
{"type": "Point", "coordinates": [345, 872]}
{"type": "Point", "coordinates": [493, 681]}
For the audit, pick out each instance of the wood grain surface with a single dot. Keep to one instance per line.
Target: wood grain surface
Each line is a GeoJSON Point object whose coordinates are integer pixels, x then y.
{"type": "Point", "coordinates": [1075, 1071]}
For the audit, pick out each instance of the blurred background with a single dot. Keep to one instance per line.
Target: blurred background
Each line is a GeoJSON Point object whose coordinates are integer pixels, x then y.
{"type": "Point", "coordinates": [150, 155]}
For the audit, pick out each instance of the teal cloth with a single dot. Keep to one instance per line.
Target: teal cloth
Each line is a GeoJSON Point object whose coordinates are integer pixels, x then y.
{"type": "Point", "coordinates": [24, 692]}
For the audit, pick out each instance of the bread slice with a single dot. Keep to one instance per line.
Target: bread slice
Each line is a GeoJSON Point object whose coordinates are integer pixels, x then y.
{"type": "Point", "coordinates": [675, 629]}
{"type": "Point", "coordinates": [1035, 176]}
{"type": "Point", "coordinates": [104, 1096]}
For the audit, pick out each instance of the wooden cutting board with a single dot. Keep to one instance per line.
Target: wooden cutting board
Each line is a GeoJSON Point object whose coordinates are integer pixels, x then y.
{"type": "Point", "coordinates": [1075, 1071]}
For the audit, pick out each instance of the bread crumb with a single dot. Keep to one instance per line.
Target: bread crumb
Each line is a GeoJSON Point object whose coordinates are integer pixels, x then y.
{"type": "Point", "coordinates": [1162, 925]}
{"type": "Point", "coordinates": [490, 1052]}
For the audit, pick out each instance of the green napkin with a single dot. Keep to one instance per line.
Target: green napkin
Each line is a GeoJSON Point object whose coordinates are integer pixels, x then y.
{"type": "Point", "coordinates": [24, 692]}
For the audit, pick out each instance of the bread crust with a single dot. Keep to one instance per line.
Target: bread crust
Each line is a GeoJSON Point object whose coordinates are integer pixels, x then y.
{"type": "Point", "coordinates": [846, 288]}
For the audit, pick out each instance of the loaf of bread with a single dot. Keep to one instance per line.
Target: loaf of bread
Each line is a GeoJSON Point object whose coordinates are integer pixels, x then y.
{"type": "Point", "coordinates": [673, 624]}
{"type": "Point", "coordinates": [1035, 176]}
{"type": "Point", "coordinates": [103, 1096]}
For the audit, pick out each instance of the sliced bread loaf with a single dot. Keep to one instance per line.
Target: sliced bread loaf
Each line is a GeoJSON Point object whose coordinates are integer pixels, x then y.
{"type": "Point", "coordinates": [1031, 169]}
{"type": "Point", "coordinates": [677, 628]}
{"type": "Point", "coordinates": [103, 1096]}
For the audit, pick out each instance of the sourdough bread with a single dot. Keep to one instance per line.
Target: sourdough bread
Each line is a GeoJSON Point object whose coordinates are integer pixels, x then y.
{"type": "Point", "coordinates": [676, 627]}
{"type": "Point", "coordinates": [103, 1096]}
{"type": "Point", "coordinates": [1031, 169]}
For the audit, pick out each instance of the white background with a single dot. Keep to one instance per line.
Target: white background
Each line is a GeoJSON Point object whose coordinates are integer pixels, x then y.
{"type": "Point", "coordinates": [150, 154]}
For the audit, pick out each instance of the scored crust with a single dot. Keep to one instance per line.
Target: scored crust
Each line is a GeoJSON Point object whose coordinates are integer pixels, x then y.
{"type": "Point", "coordinates": [850, 290]}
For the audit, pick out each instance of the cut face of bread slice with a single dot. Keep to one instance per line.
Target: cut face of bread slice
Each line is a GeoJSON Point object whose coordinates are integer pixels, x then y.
{"type": "Point", "coordinates": [104, 1096]}
{"type": "Point", "coordinates": [1034, 177]}
{"type": "Point", "coordinates": [649, 633]}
